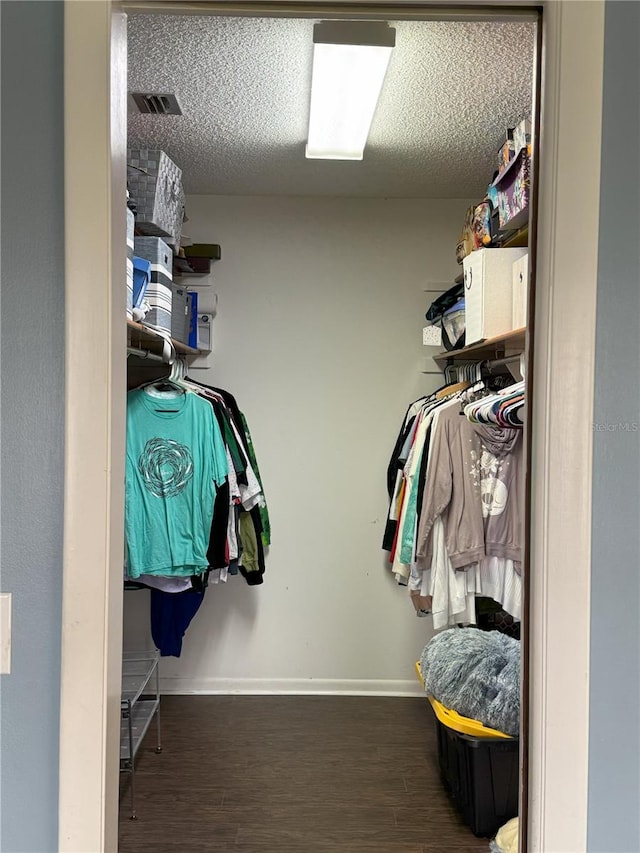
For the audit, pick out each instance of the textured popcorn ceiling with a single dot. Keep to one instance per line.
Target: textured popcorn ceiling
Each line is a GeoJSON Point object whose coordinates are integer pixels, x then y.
{"type": "Point", "coordinates": [243, 84]}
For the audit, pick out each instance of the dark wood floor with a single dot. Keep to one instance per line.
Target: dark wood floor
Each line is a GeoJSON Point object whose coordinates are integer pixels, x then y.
{"type": "Point", "coordinates": [298, 774]}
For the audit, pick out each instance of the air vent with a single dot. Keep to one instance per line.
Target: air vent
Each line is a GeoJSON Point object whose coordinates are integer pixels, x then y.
{"type": "Point", "coordinates": [156, 104]}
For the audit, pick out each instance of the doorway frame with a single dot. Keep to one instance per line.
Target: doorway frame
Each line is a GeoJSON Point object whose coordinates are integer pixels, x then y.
{"type": "Point", "coordinates": [563, 338]}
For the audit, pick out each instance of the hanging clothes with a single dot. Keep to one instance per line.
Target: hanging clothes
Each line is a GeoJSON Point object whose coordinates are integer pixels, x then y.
{"type": "Point", "coordinates": [171, 615]}
{"type": "Point", "coordinates": [454, 524]}
{"type": "Point", "coordinates": [249, 497]}
{"type": "Point", "coordinates": [506, 408]}
{"type": "Point", "coordinates": [195, 511]}
{"type": "Point", "coordinates": [175, 461]}
{"type": "Point", "coordinates": [472, 481]}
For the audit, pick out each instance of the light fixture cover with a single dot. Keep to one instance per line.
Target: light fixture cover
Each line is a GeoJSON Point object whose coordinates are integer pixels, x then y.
{"type": "Point", "coordinates": [350, 60]}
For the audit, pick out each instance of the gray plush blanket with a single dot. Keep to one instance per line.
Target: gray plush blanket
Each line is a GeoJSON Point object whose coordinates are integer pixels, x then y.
{"type": "Point", "coordinates": [477, 674]}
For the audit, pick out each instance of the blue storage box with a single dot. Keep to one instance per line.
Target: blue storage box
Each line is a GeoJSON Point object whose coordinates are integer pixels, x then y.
{"type": "Point", "coordinates": [141, 278]}
{"type": "Point", "coordinates": [193, 320]}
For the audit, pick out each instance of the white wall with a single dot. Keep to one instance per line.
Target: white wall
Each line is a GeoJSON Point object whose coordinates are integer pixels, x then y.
{"type": "Point", "coordinates": [318, 335]}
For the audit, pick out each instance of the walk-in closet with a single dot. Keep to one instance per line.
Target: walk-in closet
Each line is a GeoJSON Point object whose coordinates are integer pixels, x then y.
{"type": "Point", "coordinates": [327, 456]}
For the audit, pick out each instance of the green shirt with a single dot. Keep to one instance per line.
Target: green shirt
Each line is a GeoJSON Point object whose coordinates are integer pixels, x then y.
{"type": "Point", "coordinates": [175, 459]}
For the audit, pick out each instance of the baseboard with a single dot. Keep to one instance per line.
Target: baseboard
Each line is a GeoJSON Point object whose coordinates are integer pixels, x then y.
{"type": "Point", "coordinates": [290, 686]}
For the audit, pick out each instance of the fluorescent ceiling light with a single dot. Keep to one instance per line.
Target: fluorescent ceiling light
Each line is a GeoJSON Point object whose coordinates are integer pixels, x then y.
{"type": "Point", "coordinates": [350, 61]}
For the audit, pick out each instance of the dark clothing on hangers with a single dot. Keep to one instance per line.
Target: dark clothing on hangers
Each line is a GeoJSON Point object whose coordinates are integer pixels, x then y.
{"type": "Point", "coordinates": [251, 562]}
{"type": "Point", "coordinates": [251, 576]}
{"type": "Point", "coordinates": [422, 474]}
{"type": "Point", "coordinates": [217, 555]}
{"type": "Point", "coordinates": [171, 615]}
{"type": "Point", "coordinates": [395, 464]}
{"type": "Point", "coordinates": [230, 403]}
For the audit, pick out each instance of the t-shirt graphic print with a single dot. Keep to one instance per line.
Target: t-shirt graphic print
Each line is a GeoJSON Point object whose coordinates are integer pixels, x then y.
{"type": "Point", "coordinates": [166, 466]}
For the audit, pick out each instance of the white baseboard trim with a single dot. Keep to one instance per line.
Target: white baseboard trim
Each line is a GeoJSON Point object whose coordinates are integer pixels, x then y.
{"type": "Point", "coordinates": [179, 685]}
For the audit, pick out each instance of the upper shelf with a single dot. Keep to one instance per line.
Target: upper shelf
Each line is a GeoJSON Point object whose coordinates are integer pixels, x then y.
{"type": "Point", "coordinates": [517, 239]}
{"type": "Point", "coordinates": [191, 266]}
{"type": "Point", "coordinates": [511, 343]}
{"type": "Point", "coordinates": [145, 338]}
{"type": "Point", "coordinates": [197, 259]}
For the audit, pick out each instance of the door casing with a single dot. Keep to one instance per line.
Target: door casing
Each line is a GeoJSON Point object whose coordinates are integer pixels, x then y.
{"type": "Point", "coordinates": [561, 437]}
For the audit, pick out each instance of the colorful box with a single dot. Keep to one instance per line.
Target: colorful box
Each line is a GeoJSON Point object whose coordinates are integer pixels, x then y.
{"type": "Point", "coordinates": [522, 135]}
{"type": "Point", "coordinates": [513, 192]}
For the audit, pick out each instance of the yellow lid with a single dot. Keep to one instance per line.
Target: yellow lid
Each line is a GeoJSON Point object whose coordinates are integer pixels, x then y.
{"type": "Point", "coordinates": [452, 720]}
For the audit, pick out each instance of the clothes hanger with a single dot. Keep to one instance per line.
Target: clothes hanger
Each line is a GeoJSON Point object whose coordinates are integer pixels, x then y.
{"type": "Point", "coordinates": [451, 373]}
{"type": "Point", "coordinates": [452, 389]}
{"type": "Point", "coordinates": [174, 381]}
{"type": "Point", "coordinates": [166, 386]}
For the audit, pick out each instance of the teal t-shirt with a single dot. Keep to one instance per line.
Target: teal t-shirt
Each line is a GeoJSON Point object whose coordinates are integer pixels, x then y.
{"type": "Point", "coordinates": [175, 460]}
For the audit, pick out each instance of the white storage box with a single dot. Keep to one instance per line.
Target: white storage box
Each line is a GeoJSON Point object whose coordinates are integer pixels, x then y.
{"type": "Point", "coordinates": [488, 286]}
{"type": "Point", "coordinates": [205, 332]}
{"type": "Point", "coordinates": [520, 291]}
{"type": "Point", "coordinates": [158, 293]}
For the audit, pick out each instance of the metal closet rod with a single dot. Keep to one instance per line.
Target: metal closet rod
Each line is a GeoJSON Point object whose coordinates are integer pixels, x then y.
{"type": "Point", "coordinates": [145, 353]}
{"type": "Point", "coordinates": [352, 11]}
{"type": "Point", "coordinates": [503, 362]}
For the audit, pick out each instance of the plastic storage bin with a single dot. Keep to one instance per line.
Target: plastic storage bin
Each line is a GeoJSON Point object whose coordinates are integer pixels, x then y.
{"type": "Point", "coordinates": [482, 777]}
{"type": "Point", "coordinates": [465, 725]}
{"type": "Point", "coordinates": [453, 325]}
{"type": "Point", "coordinates": [141, 279]}
{"type": "Point", "coordinates": [480, 768]}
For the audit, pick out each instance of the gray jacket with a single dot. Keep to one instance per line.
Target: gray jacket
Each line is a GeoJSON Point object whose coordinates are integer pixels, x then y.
{"type": "Point", "coordinates": [474, 480]}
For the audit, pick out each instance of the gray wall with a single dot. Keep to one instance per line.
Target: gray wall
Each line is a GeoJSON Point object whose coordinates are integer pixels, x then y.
{"type": "Point", "coordinates": [614, 748]}
{"type": "Point", "coordinates": [32, 410]}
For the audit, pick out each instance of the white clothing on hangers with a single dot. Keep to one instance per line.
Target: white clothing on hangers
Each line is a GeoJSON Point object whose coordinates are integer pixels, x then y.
{"type": "Point", "coordinates": [451, 602]}
{"type": "Point", "coordinates": [166, 584]}
{"type": "Point", "coordinates": [500, 581]}
{"type": "Point", "coordinates": [218, 575]}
